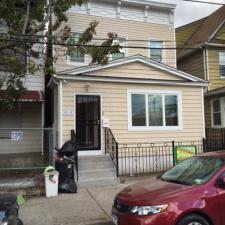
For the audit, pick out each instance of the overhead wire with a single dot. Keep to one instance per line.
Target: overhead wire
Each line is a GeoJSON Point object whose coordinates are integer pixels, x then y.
{"type": "Point", "coordinates": [204, 2]}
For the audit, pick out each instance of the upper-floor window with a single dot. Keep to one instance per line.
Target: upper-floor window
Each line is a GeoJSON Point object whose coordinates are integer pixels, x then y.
{"type": "Point", "coordinates": [222, 64]}
{"type": "Point", "coordinates": [123, 51]}
{"type": "Point", "coordinates": [75, 56]}
{"type": "Point", "coordinates": [156, 50]}
{"type": "Point", "coordinates": [154, 110]}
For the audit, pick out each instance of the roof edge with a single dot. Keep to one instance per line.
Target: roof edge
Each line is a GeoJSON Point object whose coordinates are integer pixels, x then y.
{"type": "Point", "coordinates": [136, 58]}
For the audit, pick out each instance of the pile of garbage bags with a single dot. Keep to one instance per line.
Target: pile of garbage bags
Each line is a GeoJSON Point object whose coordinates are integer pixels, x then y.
{"type": "Point", "coordinates": [64, 164]}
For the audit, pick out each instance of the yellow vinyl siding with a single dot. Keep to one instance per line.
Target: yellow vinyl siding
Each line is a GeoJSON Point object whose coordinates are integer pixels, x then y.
{"type": "Point", "coordinates": [135, 70]}
{"type": "Point", "coordinates": [193, 64]}
{"type": "Point", "coordinates": [214, 71]}
{"type": "Point", "coordinates": [114, 108]}
{"type": "Point", "coordinates": [208, 122]}
{"type": "Point", "coordinates": [131, 30]}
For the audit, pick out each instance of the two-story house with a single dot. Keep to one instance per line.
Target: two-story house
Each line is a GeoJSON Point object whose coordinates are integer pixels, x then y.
{"type": "Point", "coordinates": [201, 52]}
{"type": "Point", "coordinates": [139, 94]}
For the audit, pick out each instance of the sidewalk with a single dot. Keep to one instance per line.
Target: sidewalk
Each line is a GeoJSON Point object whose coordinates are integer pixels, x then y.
{"type": "Point", "coordinates": [90, 206]}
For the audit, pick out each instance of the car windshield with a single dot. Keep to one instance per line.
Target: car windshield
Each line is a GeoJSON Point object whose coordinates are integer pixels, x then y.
{"type": "Point", "coordinates": [193, 171]}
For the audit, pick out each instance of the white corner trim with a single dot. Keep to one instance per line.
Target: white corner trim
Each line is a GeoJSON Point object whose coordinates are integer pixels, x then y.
{"type": "Point", "coordinates": [203, 113]}
{"type": "Point", "coordinates": [154, 128]}
{"type": "Point", "coordinates": [207, 64]}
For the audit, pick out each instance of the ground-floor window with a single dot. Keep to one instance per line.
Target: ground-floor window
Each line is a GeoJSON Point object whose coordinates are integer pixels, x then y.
{"type": "Point", "coordinates": [217, 112]}
{"type": "Point", "coordinates": [154, 110]}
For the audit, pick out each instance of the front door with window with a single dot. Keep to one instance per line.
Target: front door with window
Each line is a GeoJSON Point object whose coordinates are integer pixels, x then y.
{"type": "Point", "coordinates": [88, 127]}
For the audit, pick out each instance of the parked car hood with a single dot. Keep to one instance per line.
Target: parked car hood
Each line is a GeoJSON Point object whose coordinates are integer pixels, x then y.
{"type": "Point", "coordinates": [152, 191]}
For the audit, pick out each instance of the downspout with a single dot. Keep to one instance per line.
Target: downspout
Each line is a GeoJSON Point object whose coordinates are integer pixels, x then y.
{"type": "Point", "coordinates": [203, 113]}
{"type": "Point", "coordinates": [205, 60]}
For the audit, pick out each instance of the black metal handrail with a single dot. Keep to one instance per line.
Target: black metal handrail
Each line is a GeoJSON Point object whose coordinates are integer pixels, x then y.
{"type": "Point", "coordinates": [74, 138]}
{"type": "Point", "coordinates": [111, 147]}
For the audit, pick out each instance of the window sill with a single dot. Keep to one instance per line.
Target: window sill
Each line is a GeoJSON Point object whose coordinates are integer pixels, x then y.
{"type": "Point", "coordinates": [77, 63]}
{"type": "Point", "coordinates": [145, 129]}
{"type": "Point", "coordinates": [218, 127]}
{"type": "Point", "coordinates": [222, 78]}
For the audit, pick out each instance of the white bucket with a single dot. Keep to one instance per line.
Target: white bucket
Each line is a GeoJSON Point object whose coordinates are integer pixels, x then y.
{"type": "Point", "coordinates": [51, 183]}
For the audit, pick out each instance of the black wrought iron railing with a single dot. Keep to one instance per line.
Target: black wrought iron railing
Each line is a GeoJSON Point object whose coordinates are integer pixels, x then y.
{"type": "Point", "coordinates": [111, 147]}
{"type": "Point", "coordinates": [215, 139]}
{"type": "Point", "coordinates": [73, 138]}
{"type": "Point", "coordinates": [136, 159]}
{"type": "Point", "coordinates": [149, 158]}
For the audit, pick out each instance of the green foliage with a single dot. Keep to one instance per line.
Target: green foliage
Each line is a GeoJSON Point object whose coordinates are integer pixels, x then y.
{"type": "Point", "coordinates": [23, 24]}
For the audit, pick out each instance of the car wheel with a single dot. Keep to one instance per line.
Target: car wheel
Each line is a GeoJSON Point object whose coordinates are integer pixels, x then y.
{"type": "Point", "coordinates": [193, 219]}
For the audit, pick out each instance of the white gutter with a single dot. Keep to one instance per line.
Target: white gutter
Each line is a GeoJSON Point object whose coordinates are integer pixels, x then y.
{"type": "Point", "coordinates": [215, 44]}
{"type": "Point", "coordinates": [205, 62]}
{"type": "Point", "coordinates": [203, 113]}
{"type": "Point", "coordinates": [130, 80]}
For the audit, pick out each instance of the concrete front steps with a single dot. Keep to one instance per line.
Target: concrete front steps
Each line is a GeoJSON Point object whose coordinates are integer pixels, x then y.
{"type": "Point", "coordinates": [96, 171]}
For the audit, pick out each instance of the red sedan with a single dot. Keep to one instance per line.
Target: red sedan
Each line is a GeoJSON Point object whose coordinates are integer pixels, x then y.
{"type": "Point", "coordinates": [191, 193]}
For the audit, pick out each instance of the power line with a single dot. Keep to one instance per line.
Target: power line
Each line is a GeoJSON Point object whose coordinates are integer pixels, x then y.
{"type": "Point", "coordinates": [104, 39]}
{"type": "Point", "coordinates": [205, 2]}
{"type": "Point", "coordinates": [95, 45]}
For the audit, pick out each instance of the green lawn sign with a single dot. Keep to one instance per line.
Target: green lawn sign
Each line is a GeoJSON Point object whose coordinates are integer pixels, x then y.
{"type": "Point", "coordinates": [183, 152]}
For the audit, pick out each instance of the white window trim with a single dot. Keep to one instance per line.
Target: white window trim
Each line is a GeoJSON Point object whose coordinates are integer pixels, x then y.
{"type": "Point", "coordinates": [221, 77]}
{"type": "Point", "coordinates": [163, 50]}
{"type": "Point", "coordinates": [126, 45]}
{"type": "Point", "coordinates": [222, 105]}
{"type": "Point", "coordinates": [69, 62]}
{"type": "Point", "coordinates": [154, 128]}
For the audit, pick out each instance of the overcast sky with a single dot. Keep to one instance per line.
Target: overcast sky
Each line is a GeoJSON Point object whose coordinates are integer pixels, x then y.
{"type": "Point", "coordinates": [190, 11]}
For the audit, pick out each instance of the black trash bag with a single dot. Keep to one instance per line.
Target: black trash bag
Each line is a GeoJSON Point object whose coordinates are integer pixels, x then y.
{"type": "Point", "coordinates": [68, 149]}
{"type": "Point", "coordinates": [65, 168]}
{"type": "Point", "coordinates": [68, 186]}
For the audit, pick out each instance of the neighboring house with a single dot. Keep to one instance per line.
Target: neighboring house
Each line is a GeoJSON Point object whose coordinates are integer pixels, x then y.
{"type": "Point", "coordinates": [21, 134]}
{"type": "Point", "coordinates": [206, 61]}
{"type": "Point", "coordinates": [139, 94]}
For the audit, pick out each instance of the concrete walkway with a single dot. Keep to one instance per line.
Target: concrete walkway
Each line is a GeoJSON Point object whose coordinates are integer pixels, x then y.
{"type": "Point", "coordinates": [90, 206]}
